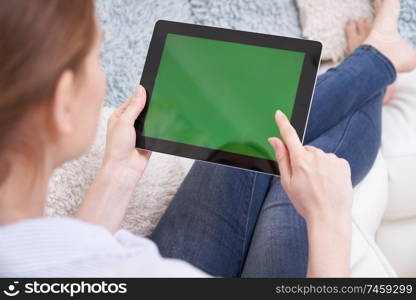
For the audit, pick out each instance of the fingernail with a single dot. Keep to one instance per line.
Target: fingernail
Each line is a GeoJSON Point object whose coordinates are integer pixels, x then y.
{"type": "Point", "coordinates": [271, 142]}
{"type": "Point", "coordinates": [279, 114]}
{"type": "Point", "coordinates": [138, 93]}
{"type": "Point", "coordinates": [142, 91]}
{"type": "Point", "coordinates": [279, 149]}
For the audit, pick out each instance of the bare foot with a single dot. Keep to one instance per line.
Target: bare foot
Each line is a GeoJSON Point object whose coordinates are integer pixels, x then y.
{"type": "Point", "coordinates": [357, 32]}
{"type": "Point", "coordinates": [377, 5]}
{"type": "Point", "coordinates": [385, 36]}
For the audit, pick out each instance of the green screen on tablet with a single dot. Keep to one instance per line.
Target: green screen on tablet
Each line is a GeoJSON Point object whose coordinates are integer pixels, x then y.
{"type": "Point", "coordinates": [222, 95]}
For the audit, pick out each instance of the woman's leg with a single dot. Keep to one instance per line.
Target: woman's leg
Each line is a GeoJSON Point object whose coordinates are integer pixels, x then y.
{"type": "Point", "coordinates": [212, 217]}
{"type": "Point", "coordinates": [344, 89]}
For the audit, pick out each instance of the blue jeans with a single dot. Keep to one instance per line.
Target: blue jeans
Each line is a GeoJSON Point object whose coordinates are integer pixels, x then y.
{"type": "Point", "coordinates": [236, 223]}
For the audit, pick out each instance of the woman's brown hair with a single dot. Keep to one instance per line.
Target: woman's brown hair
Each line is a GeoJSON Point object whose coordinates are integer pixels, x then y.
{"type": "Point", "coordinates": [38, 40]}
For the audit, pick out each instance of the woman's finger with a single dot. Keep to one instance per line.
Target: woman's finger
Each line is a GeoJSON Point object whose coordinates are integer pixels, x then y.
{"type": "Point", "coordinates": [145, 153]}
{"type": "Point", "coordinates": [289, 135]}
{"type": "Point", "coordinates": [313, 149]}
{"type": "Point", "coordinates": [119, 110]}
{"type": "Point", "coordinates": [282, 157]}
{"type": "Point", "coordinates": [135, 105]}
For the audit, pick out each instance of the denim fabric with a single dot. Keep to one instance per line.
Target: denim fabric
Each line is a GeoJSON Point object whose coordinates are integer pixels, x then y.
{"type": "Point", "coordinates": [231, 222]}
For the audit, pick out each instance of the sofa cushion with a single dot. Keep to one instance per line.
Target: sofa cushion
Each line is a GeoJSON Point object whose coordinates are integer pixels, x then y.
{"type": "Point", "coordinates": [395, 236]}
{"type": "Point", "coordinates": [399, 148]}
{"type": "Point", "coordinates": [397, 241]}
{"type": "Point", "coordinates": [367, 260]}
{"type": "Point", "coordinates": [371, 197]}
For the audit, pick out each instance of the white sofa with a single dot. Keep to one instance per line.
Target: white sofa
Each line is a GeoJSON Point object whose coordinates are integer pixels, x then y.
{"type": "Point", "coordinates": [384, 242]}
{"type": "Point", "coordinates": [397, 234]}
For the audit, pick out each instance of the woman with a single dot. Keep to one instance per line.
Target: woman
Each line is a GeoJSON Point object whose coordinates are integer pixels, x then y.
{"type": "Point", "coordinates": [52, 88]}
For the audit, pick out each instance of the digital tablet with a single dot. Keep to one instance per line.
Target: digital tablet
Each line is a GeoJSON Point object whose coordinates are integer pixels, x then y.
{"type": "Point", "coordinates": [213, 93]}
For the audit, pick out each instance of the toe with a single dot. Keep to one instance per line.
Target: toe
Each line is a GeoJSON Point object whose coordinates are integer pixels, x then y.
{"type": "Point", "coordinates": [361, 27]}
{"type": "Point", "coordinates": [377, 5]}
{"type": "Point", "coordinates": [352, 36]}
{"type": "Point", "coordinates": [351, 29]}
{"type": "Point", "coordinates": [368, 25]}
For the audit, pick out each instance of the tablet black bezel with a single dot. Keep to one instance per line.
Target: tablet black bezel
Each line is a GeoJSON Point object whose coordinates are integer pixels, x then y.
{"type": "Point", "coordinates": [311, 49]}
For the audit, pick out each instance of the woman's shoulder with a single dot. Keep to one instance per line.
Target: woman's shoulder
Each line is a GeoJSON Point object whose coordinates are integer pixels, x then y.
{"type": "Point", "coordinates": [50, 241]}
{"type": "Point", "coordinates": [45, 221]}
{"type": "Point", "coordinates": [47, 233]}
{"type": "Point", "coordinates": [58, 229]}
{"type": "Point", "coordinates": [61, 246]}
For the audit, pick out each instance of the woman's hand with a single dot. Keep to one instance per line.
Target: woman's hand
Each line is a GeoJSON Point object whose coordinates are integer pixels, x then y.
{"type": "Point", "coordinates": [106, 201]}
{"type": "Point", "coordinates": [121, 137]}
{"type": "Point", "coordinates": [319, 185]}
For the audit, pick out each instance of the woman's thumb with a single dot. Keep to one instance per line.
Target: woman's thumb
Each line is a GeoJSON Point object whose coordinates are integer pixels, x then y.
{"type": "Point", "coordinates": [136, 104]}
{"type": "Point", "coordinates": [274, 142]}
